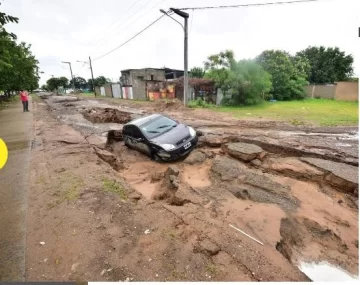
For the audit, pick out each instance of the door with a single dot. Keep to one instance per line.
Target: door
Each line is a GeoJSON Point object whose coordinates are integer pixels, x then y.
{"type": "Point", "coordinates": [137, 140]}
{"type": "Point", "coordinates": [102, 91]}
{"type": "Point", "coordinates": [116, 89]}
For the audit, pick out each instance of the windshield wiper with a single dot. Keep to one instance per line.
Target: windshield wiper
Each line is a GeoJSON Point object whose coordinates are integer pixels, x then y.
{"type": "Point", "coordinates": [152, 132]}
{"type": "Point", "coordinates": [165, 126]}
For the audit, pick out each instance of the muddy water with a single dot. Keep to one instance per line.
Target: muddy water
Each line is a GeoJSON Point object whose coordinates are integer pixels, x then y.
{"type": "Point", "coordinates": [323, 272]}
{"type": "Point", "coordinates": [139, 176]}
{"type": "Point", "coordinates": [197, 175]}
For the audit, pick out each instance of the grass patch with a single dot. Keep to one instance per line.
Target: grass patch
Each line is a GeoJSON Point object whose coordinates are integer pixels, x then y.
{"type": "Point", "coordinates": [199, 103]}
{"type": "Point", "coordinates": [68, 189]}
{"type": "Point", "coordinates": [114, 187]}
{"type": "Point", "coordinates": [323, 112]}
{"type": "Point", "coordinates": [6, 101]}
{"type": "Point", "coordinates": [210, 268]}
{"type": "Point", "coordinates": [35, 97]}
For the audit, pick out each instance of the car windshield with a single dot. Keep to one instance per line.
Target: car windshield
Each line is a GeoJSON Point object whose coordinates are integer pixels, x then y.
{"type": "Point", "coordinates": [157, 127]}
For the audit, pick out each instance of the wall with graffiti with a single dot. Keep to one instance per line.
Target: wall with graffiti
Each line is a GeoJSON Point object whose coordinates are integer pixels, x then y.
{"type": "Point", "coordinates": [160, 90]}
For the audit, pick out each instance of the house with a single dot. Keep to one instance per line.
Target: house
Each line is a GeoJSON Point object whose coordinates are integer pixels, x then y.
{"type": "Point", "coordinates": [136, 79]}
{"type": "Point", "coordinates": [198, 88]}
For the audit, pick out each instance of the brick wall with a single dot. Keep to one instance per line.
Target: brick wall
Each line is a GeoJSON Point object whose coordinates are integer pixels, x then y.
{"type": "Point", "coordinates": [320, 91]}
{"type": "Point", "coordinates": [347, 91]}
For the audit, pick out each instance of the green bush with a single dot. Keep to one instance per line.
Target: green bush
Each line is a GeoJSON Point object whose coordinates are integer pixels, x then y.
{"type": "Point", "coordinates": [199, 103]}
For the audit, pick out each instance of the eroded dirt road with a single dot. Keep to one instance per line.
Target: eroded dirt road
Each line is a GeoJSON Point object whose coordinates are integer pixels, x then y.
{"type": "Point", "coordinates": [100, 211]}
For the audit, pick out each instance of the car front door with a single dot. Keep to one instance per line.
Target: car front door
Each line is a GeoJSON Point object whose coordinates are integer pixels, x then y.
{"type": "Point", "coordinates": [138, 141]}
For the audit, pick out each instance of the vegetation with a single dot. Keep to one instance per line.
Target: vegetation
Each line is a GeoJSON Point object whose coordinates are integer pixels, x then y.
{"type": "Point", "coordinates": [246, 81]}
{"type": "Point", "coordinates": [55, 82]}
{"type": "Point", "coordinates": [199, 103]}
{"type": "Point", "coordinates": [5, 19]}
{"type": "Point", "coordinates": [197, 72]}
{"type": "Point", "coordinates": [80, 83]}
{"type": "Point", "coordinates": [327, 65]}
{"type": "Point", "coordinates": [114, 187]}
{"type": "Point", "coordinates": [288, 74]}
{"type": "Point", "coordinates": [323, 112]}
{"type": "Point", "coordinates": [98, 81]}
{"type": "Point", "coordinates": [18, 66]}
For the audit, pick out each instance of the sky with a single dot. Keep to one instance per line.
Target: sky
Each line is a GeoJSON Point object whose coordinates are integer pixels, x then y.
{"type": "Point", "coordinates": [73, 30]}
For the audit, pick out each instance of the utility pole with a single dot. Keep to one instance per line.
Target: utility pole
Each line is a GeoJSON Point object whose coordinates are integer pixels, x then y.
{"type": "Point", "coordinates": [185, 28]}
{"type": "Point", "coordinates": [92, 76]}
{"type": "Point", "coordinates": [72, 77]}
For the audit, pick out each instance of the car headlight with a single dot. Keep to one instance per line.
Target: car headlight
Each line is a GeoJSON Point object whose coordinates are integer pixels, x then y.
{"type": "Point", "coordinates": [192, 132]}
{"type": "Point", "coordinates": [167, 146]}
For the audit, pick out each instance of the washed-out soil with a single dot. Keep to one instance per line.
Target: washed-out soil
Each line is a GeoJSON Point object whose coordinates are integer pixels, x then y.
{"type": "Point", "coordinates": [110, 213]}
{"type": "Point", "coordinates": [106, 115]}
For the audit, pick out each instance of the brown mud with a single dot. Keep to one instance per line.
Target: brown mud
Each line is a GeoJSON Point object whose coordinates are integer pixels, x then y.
{"type": "Point", "coordinates": [146, 221]}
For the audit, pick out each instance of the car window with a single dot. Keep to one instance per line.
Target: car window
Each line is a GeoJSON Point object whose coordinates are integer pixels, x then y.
{"type": "Point", "coordinates": [136, 133]}
{"type": "Point", "coordinates": [157, 127]}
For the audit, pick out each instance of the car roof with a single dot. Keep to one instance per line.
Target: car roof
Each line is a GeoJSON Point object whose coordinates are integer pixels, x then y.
{"type": "Point", "coordinates": [143, 120]}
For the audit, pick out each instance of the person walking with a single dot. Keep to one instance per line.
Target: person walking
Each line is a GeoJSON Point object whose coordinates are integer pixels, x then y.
{"type": "Point", "coordinates": [25, 100]}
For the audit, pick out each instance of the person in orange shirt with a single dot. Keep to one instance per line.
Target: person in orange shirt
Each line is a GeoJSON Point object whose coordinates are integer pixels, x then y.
{"type": "Point", "coordinates": [25, 100]}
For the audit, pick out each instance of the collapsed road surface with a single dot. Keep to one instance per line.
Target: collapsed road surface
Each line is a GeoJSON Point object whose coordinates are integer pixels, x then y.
{"type": "Point", "coordinates": [100, 211]}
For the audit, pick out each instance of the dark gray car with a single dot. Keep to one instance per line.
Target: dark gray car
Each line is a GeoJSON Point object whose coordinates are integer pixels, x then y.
{"type": "Point", "coordinates": [160, 137]}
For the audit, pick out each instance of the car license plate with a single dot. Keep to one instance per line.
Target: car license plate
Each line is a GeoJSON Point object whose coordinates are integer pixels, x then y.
{"type": "Point", "coordinates": [186, 146]}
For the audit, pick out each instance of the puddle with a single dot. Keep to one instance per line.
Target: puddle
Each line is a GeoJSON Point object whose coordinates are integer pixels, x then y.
{"type": "Point", "coordinates": [324, 271]}
{"type": "Point", "coordinates": [138, 175]}
{"type": "Point", "coordinates": [197, 176]}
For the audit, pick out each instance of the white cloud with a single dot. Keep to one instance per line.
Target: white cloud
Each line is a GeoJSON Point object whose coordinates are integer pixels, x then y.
{"type": "Point", "coordinates": [72, 30]}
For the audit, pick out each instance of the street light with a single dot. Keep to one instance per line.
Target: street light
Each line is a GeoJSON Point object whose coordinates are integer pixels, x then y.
{"type": "Point", "coordinates": [73, 81]}
{"type": "Point", "coordinates": [185, 28]}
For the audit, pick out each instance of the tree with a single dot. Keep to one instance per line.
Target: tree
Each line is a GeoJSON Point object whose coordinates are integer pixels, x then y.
{"type": "Point", "coordinates": [56, 82]}
{"type": "Point", "coordinates": [80, 83]}
{"type": "Point", "coordinates": [250, 83]}
{"type": "Point", "coordinates": [5, 19]}
{"type": "Point", "coordinates": [18, 67]}
{"type": "Point", "coordinates": [218, 68]}
{"type": "Point", "coordinates": [100, 81]}
{"type": "Point", "coordinates": [328, 65]}
{"type": "Point", "coordinates": [197, 72]}
{"type": "Point", "coordinates": [288, 74]}
{"type": "Point", "coordinates": [246, 80]}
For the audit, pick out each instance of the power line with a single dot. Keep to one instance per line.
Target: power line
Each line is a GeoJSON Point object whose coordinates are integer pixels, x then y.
{"type": "Point", "coordinates": [248, 5]}
{"type": "Point", "coordinates": [133, 37]}
{"type": "Point", "coordinates": [117, 19]}
{"type": "Point", "coordinates": [133, 22]}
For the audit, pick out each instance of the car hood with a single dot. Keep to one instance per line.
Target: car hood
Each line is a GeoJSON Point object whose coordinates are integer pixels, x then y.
{"type": "Point", "coordinates": [173, 136]}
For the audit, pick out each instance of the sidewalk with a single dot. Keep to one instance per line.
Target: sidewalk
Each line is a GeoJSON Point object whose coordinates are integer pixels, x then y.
{"type": "Point", "coordinates": [16, 131]}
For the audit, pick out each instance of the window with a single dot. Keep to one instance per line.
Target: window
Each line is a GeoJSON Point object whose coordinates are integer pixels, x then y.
{"type": "Point", "coordinates": [136, 133]}
{"type": "Point", "coordinates": [140, 77]}
{"type": "Point", "coordinates": [158, 127]}
{"type": "Point", "coordinates": [152, 77]}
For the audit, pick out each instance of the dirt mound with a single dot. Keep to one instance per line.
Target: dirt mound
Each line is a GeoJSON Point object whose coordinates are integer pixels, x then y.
{"type": "Point", "coordinates": [106, 115]}
{"type": "Point", "coordinates": [168, 104]}
{"type": "Point", "coordinates": [314, 242]}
